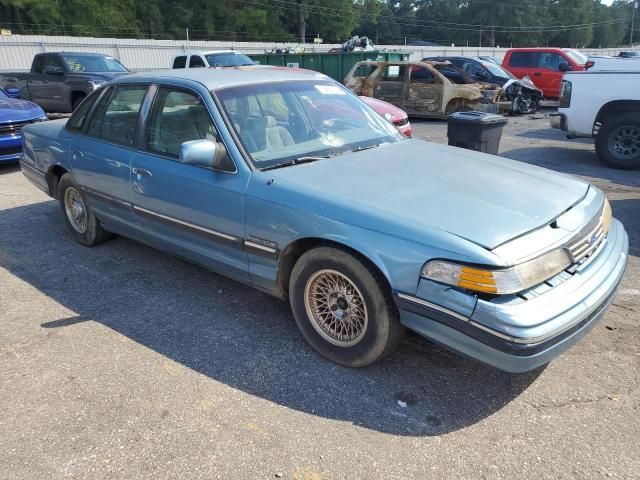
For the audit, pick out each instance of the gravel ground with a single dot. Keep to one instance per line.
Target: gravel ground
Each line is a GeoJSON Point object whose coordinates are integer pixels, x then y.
{"type": "Point", "coordinates": [122, 362]}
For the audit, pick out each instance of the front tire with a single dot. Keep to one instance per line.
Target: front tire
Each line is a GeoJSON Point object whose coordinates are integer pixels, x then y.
{"type": "Point", "coordinates": [343, 307]}
{"type": "Point", "coordinates": [618, 141]}
{"type": "Point", "coordinates": [83, 224]}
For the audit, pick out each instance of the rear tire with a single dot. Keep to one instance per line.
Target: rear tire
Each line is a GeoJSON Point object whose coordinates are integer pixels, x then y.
{"type": "Point", "coordinates": [343, 307]}
{"type": "Point", "coordinates": [618, 141]}
{"type": "Point", "coordinates": [83, 224]}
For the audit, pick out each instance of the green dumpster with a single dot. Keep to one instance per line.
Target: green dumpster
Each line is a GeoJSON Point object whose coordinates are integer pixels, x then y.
{"type": "Point", "coordinates": [335, 65]}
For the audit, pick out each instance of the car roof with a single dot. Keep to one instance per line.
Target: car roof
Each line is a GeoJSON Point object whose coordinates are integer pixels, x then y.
{"type": "Point", "coordinates": [215, 78]}
{"type": "Point", "coordinates": [77, 54]}
{"type": "Point", "coordinates": [206, 52]}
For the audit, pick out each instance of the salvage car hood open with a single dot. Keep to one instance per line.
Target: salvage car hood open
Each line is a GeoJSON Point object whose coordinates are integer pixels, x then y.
{"type": "Point", "coordinates": [419, 185]}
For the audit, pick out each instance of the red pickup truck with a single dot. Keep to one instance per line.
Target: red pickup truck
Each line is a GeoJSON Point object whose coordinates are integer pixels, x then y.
{"type": "Point", "coordinates": [545, 66]}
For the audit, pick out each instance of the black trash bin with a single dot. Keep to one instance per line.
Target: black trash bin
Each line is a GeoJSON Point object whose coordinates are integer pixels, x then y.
{"type": "Point", "coordinates": [478, 131]}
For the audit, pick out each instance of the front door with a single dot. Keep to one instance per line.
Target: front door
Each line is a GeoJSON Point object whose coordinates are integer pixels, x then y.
{"type": "Point", "coordinates": [101, 154]}
{"type": "Point", "coordinates": [548, 75]}
{"type": "Point", "coordinates": [193, 211]}
{"type": "Point", "coordinates": [47, 86]}
{"type": "Point", "coordinates": [390, 84]}
{"type": "Point", "coordinates": [423, 94]}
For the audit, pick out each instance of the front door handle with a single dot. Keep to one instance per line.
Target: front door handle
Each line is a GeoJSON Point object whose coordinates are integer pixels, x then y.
{"type": "Point", "coordinates": [537, 74]}
{"type": "Point", "coordinates": [141, 171]}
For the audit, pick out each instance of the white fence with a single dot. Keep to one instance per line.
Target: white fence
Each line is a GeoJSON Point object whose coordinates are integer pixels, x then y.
{"type": "Point", "coordinates": [17, 51]}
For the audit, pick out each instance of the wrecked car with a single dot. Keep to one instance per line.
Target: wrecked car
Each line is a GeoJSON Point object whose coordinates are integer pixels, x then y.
{"type": "Point", "coordinates": [522, 94]}
{"type": "Point", "coordinates": [420, 89]}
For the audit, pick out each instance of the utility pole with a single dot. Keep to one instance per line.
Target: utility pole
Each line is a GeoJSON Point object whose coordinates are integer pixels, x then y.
{"type": "Point", "coordinates": [301, 26]}
{"type": "Point", "coordinates": [187, 32]}
{"type": "Point", "coordinates": [634, 7]}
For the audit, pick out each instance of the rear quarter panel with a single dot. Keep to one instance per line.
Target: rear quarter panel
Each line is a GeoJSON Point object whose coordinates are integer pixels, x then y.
{"type": "Point", "coordinates": [46, 145]}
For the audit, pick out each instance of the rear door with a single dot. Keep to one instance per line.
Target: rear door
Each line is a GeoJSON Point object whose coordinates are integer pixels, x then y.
{"type": "Point", "coordinates": [423, 94]}
{"type": "Point", "coordinates": [102, 150]}
{"type": "Point", "coordinates": [391, 83]}
{"type": "Point", "coordinates": [193, 211]}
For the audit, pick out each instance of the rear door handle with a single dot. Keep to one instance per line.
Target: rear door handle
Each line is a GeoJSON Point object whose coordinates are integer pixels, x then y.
{"type": "Point", "coordinates": [141, 171]}
{"type": "Point", "coordinates": [537, 74]}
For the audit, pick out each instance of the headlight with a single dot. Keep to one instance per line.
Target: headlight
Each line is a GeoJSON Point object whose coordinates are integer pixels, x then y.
{"type": "Point", "coordinates": [503, 281]}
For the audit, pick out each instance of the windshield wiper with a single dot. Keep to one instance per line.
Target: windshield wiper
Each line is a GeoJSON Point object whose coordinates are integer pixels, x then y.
{"type": "Point", "coordinates": [297, 161]}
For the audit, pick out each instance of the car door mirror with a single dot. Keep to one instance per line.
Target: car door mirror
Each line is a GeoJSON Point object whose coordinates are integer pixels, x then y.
{"type": "Point", "coordinates": [53, 70]}
{"type": "Point", "coordinates": [207, 154]}
{"type": "Point", "coordinates": [481, 75]}
{"type": "Point", "coordinates": [564, 67]}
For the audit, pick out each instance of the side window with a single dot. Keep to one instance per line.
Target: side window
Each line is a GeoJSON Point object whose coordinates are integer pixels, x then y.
{"type": "Point", "coordinates": [421, 75]}
{"type": "Point", "coordinates": [524, 59]}
{"type": "Point", "coordinates": [394, 73]}
{"type": "Point", "coordinates": [77, 119]}
{"type": "Point", "coordinates": [178, 116]}
{"type": "Point", "coordinates": [54, 61]}
{"type": "Point", "coordinates": [196, 61]}
{"type": "Point", "coordinates": [551, 61]}
{"type": "Point", "coordinates": [180, 62]}
{"type": "Point", "coordinates": [38, 64]}
{"type": "Point", "coordinates": [363, 71]}
{"type": "Point", "coordinates": [116, 116]}
{"type": "Point", "coordinates": [472, 69]}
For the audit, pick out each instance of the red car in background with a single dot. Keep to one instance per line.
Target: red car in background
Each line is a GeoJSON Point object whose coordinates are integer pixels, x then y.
{"type": "Point", "coordinates": [395, 115]}
{"type": "Point", "coordinates": [545, 66]}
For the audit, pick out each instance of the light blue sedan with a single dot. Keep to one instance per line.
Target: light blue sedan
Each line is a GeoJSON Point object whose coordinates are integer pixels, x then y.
{"type": "Point", "coordinates": [284, 180]}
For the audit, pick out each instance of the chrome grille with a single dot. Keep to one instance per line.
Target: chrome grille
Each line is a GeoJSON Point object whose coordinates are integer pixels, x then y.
{"type": "Point", "coordinates": [14, 127]}
{"type": "Point", "coordinates": [588, 239]}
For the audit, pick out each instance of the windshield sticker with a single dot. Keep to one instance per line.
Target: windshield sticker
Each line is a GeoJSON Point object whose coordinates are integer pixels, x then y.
{"type": "Point", "coordinates": [330, 90]}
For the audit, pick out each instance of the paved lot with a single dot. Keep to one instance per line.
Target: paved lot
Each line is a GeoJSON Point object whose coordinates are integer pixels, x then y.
{"type": "Point", "coordinates": [123, 362]}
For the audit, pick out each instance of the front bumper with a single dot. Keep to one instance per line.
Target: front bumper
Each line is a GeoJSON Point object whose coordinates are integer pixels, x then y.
{"type": "Point", "coordinates": [520, 335]}
{"type": "Point", "coordinates": [10, 148]}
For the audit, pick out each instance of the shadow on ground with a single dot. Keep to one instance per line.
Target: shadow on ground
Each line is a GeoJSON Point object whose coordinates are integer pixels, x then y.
{"type": "Point", "coordinates": [243, 338]}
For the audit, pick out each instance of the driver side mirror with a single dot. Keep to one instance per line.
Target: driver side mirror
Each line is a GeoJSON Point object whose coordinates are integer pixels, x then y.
{"type": "Point", "coordinates": [207, 154]}
{"type": "Point", "coordinates": [564, 67]}
{"type": "Point", "coordinates": [481, 76]}
{"type": "Point", "coordinates": [53, 70]}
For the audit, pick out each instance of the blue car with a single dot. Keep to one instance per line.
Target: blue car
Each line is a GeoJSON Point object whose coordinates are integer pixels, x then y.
{"type": "Point", "coordinates": [284, 180]}
{"type": "Point", "coordinates": [15, 114]}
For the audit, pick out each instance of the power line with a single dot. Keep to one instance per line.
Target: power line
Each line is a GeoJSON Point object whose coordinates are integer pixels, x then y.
{"type": "Point", "coordinates": [453, 25]}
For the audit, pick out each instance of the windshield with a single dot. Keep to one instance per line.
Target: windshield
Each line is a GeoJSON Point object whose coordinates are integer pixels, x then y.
{"type": "Point", "coordinates": [497, 70]}
{"type": "Point", "coordinates": [92, 63]}
{"type": "Point", "coordinates": [228, 59]}
{"type": "Point", "coordinates": [285, 121]}
{"type": "Point", "coordinates": [576, 56]}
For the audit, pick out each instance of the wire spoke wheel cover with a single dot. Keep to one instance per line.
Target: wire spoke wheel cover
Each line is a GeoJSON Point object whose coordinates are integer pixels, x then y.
{"type": "Point", "coordinates": [624, 142]}
{"type": "Point", "coordinates": [336, 308]}
{"type": "Point", "coordinates": [76, 210]}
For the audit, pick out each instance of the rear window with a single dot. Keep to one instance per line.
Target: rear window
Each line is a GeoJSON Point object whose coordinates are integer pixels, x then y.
{"type": "Point", "coordinates": [180, 62]}
{"type": "Point", "coordinates": [524, 59]}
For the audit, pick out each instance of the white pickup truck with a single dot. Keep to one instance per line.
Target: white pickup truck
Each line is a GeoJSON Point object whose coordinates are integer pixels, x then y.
{"type": "Point", "coordinates": [604, 105]}
{"type": "Point", "coordinates": [215, 58]}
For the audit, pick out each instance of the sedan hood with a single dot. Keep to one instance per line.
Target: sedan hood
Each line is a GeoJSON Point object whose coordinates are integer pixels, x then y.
{"type": "Point", "coordinates": [15, 110]}
{"type": "Point", "coordinates": [483, 198]}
